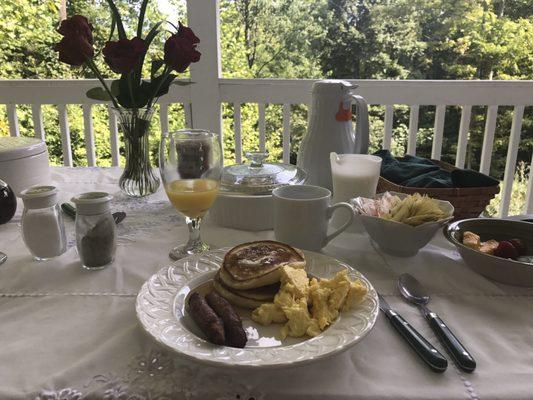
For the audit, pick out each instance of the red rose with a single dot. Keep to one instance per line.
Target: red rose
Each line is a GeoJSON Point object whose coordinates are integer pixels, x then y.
{"type": "Point", "coordinates": [77, 25]}
{"type": "Point", "coordinates": [180, 49]}
{"type": "Point", "coordinates": [74, 50]}
{"type": "Point", "coordinates": [121, 56]}
{"type": "Point", "coordinates": [187, 33]}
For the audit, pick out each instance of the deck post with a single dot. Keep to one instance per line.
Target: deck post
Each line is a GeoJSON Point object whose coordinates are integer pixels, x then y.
{"type": "Point", "coordinates": [204, 19]}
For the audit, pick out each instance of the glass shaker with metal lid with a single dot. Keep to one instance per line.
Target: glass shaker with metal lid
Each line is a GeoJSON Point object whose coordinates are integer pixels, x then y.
{"type": "Point", "coordinates": [42, 226]}
{"type": "Point", "coordinates": [96, 236]}
{"type": "Point", "coordinates": [259, 177]}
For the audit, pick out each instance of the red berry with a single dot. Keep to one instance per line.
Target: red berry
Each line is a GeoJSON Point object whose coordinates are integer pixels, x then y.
{"type": "Point", "coordinates": [506, 250]}
{"type": "Point", "coordinates": [519, 246]}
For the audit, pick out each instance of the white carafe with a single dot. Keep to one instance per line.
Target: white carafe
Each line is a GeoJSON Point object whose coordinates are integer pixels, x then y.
{"type": "Point", "coordinates": [330, 129]}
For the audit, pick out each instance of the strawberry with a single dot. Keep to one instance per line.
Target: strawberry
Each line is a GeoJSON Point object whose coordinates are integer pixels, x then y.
{"type": "Point", "coordinates": [519, 246]}
{"type": "Point", "coordinates": [506, 250]}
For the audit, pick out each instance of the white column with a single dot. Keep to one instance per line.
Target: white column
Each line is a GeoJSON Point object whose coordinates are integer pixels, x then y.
{"type": "Point", "coordinates": [204, 19]}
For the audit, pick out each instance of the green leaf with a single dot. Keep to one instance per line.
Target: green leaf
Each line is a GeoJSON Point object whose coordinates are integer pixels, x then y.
{"type": "Point", "coordinates": [157, 86]}
{"type": "Point", "coordinates": [98, 93]}
{"type": "Point", "coordinates": [115, 87]}
{"type": "Point", "coordinates": [123, 96]}
{"type": "Point", "coordinates": [156, 66]}
{"type": "Point", "coordinates": [153, 33]}
{"type": "Point", "coordinates": [113, 25]}
{"type": "Point", "coordinates": [116, 15]}
{"type": "Point", "coordinates": [164, 86]}
{"type": "Point", "coordinates": [182, 83]}
{"type": "Point", "coordinates": [148, 40]}
{"type": "Point", "coordinates": [141, 19]}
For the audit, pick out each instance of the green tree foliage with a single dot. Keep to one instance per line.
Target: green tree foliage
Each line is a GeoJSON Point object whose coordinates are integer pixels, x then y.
{"type": "Point", "coordinates": [365, 39]}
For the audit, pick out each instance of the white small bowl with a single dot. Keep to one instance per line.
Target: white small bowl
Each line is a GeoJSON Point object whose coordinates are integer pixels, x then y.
{"type": "Point", "coordinates": [401, 239]}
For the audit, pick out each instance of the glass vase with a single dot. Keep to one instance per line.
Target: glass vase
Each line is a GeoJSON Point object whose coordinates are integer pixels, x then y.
{"type": "Point", "coordinates": [138, 178]}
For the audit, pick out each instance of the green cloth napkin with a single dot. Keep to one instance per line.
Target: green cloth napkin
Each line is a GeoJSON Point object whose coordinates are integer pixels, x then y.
{"type": "Point", "coordinates": [415, 171]}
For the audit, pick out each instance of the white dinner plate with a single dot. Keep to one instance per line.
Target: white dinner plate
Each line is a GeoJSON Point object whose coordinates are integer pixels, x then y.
{"type": "Point", "coordinates": [161, 310]}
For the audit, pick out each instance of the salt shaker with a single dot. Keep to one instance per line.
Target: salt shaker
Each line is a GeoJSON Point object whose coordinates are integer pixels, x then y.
{"type": "Point", "coordinates": [96, 237]}
{"type": "Point", "coordinates": [43, 231]}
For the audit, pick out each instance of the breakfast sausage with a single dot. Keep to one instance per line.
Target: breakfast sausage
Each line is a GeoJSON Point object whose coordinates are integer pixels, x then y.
{"type": "Point", "coordinates": [208, 321]}
{"type": "Point", "coordinates": [235, 334]}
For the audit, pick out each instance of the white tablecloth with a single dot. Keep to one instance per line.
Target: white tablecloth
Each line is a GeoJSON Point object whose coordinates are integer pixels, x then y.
{"type": "Point", "coordinates": [66, 333]}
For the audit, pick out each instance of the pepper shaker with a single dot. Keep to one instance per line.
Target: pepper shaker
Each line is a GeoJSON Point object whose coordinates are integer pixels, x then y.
{"type": "Point", "coordinates": [43, 231]}
{"type": "Point", "coordinates": [96, 236]}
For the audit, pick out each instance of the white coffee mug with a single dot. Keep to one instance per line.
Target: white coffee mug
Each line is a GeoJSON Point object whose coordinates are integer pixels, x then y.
{"type": "Point", "coordinates": [301, 216]}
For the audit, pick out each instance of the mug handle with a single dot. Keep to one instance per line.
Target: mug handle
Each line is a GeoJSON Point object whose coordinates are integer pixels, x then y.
{"type": "Point", "coordinates": [330, 212]}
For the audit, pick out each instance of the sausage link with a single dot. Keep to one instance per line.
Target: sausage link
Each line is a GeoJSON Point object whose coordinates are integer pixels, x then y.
{"type": "Point", "coordinates": [206, 319]}
{"type": "Point", "coordinates": [235, 334]}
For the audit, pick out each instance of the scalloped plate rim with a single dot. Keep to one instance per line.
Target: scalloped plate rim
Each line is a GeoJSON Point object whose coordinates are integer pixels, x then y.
{"type": "Point", "coordinates": [212, 360]}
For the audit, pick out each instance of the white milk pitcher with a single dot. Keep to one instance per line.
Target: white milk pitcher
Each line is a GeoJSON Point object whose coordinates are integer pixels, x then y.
{"type": "Point", "coordinates": [330, 129]}
{"type": "Point", "coordinates": [354, 175]}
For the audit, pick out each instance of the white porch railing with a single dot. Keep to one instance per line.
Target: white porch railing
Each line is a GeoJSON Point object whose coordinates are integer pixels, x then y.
{"type": "Point", "coordinates": [202, 104]}
{"type": "Point", "coordinates": [441, 94]}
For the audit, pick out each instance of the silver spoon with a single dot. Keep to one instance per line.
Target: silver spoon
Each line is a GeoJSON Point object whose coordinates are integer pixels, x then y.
{"type": "Point", "coordinates": [414, 292]}
{"type": "Point", "coordinates": [3, 258]}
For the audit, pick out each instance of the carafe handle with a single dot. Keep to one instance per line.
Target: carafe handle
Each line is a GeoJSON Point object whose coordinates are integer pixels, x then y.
{"type": "Point", "coordinates": [361, 125]}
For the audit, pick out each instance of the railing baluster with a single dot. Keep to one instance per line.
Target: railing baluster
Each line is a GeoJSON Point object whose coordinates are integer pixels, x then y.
{"type": "Point", "coordinates": [163, 117]}
{"type": "Point", "coordinates": [438, 129]}
{"type": "Point", "coordinates": [113, 137]}
{"type": "Point", "coordinates": [286, 133]}
{"type": "Point", "coordinates": [510, 164]}
{"type": "Point", "coordinates": [488, 140]}
{"type": "Point", "coordinates": [12, 119]}
{"type": "Point", "coordinates": [89, 134]}
{"type": "Point", "coordinates": [462, 142]}
{"type": "Point", "coordinates": [187, 109]}
{"type": "Point", "coordinates": [389, 119]}
{"type": "Point", "coordinates": [237, 129]}
{"type": "Point", "coordinates": [413, 130]}
{"type": "Point", "coordinates": [37, 117]}
{"type": "Point", "coordinates": [528, 207]}
{"type": "Point", "coordinates": [262, 127]}
{"type": "Point", "coordinates": [65, 135]}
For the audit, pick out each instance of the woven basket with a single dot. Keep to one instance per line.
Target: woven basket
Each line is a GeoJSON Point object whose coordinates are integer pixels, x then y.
{"type": "Point", "coordinates": [468, 202]}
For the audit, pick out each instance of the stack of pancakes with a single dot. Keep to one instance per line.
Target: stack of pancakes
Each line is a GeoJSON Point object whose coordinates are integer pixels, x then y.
{"type": "Point", "coordinates": [250, 273]}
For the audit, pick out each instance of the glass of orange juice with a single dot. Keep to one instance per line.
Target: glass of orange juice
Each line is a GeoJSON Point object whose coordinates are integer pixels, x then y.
{"type": "Point", "coordinates": [190, 162]}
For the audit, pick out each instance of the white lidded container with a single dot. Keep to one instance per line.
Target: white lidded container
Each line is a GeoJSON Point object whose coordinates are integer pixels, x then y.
{"type": "Point", "coordinates": [245, 197]}
{"type": "Point", "coordinates": [24, 163]}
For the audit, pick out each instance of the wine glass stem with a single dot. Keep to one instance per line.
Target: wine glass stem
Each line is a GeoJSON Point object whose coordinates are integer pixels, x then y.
{"type": "Point", "coordinates": [194, 232]}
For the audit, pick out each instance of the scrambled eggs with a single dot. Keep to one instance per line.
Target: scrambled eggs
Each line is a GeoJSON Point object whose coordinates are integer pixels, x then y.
{"type": "Point", "coordinates": [297, 295]}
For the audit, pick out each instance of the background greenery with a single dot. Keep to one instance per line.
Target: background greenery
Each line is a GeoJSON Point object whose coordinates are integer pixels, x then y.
{"type": "Point", "coordinates": [358, 39]}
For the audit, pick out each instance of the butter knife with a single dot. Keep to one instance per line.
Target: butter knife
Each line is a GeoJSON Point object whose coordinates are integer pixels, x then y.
{"type": "Point", "coordinates": [425, 350]}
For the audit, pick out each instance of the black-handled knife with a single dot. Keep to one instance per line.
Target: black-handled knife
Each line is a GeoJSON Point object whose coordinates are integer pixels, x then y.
{"type": "Point", "coordinates": [70, 210]}
{"type": "Point", "coordinates": [425, 350]}
{"type": "Point", "coordinates": [459, 353]}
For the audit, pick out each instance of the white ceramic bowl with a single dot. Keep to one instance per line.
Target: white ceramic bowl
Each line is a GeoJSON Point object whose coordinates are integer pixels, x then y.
{"type": "Point", "coordinates": [400, 239]}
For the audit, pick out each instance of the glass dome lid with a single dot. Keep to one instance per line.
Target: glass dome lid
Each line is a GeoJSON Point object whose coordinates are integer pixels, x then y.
{"type": "Point", "coordinates": [259, 177]}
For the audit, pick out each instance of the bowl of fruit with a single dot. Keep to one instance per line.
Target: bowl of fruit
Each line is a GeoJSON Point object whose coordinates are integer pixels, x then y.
{"type": "Point", "coordinates": [402, 224]}
{"type": "Point", "coordinates": [499, 249]}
